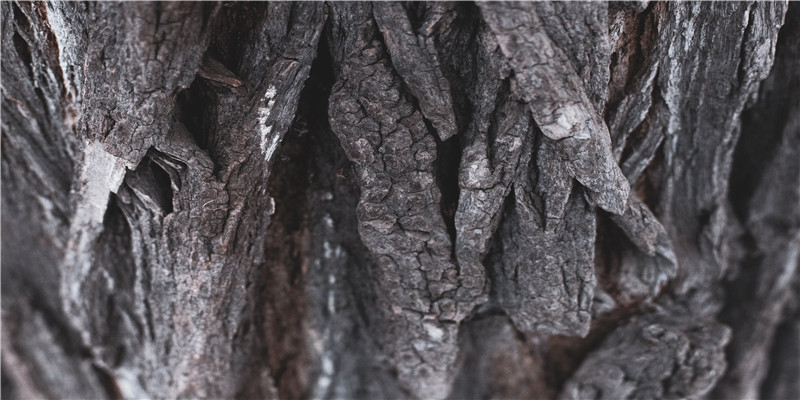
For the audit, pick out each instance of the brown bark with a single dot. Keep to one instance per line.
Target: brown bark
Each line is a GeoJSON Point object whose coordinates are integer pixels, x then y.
{"type": "Point", "coordinates": [400, 200]}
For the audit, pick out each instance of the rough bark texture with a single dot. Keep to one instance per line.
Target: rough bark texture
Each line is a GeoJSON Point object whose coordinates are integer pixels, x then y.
{"type": "Point", "coordinates": [400, 200]}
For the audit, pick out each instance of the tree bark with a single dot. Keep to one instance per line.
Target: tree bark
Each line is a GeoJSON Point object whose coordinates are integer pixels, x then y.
{"type": "Point", "coordinates": [400, 200]}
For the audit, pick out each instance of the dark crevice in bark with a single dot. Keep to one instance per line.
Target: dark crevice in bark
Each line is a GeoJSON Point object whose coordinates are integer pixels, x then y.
{"type": "Point", "coordinates": [635, 139]}
{"type": "Point", "coordinates": [763, 125]}
{"type": "Point", "coordinates": [162, 180]}
{"type": "Point", "coordinates": [416, 14]}
{"type": "Point", "coordinates": [759, 138]}
{"type": "Point", "coordinates": [194, 110]}
{"type": "Point", "coordinates": [605, 260]}
{"type": "Point", "coordinates": [340, 281]}
{"type": "Point", "coordinates": [537, 202]}
{"type": "Point", "coordinates": [164, 184]}
{"type": "Point", "coordinates": [494, 257]}
{"type": "Point", "coordinates": [633, 50]}
{"type": "Point", "coordinates": [666, 384]}
{"type": "Point", "coordinates": [198, 110]}
{"type": "Point", "coordinates": [210, 10]}
{"type": "Point", "coordinates": [24, 52]}
{"type": "Point", "coordinates": [648, 185]}
{"type": "Point", "coordinates": [780, 381]}
{"type": "Point", "coordinates": [281, 288]}
{"type": "Point", "coordinates": [313, 181]}
{"type": "Point", "coordinates": [198, 106]}
{"type": "Point", "coordinates": [448, 159]}
{"type": "Point", "coordinates": [20, 17]}
{"type": "Point", "coordinates": [113, 276]}
{"type": "Point", "coordinates": [319, 83]}
{"type": "Point", "coordinates": [458, 62]}
{"type": "Point", "coordinates": [456, 48]}
{"type": "Point", "coordinates": [9, 386]}
{"type": "Point", "coordinates": [153, 179]}
{"type": "Point", "coordinates": [333, 174]}
{"type": "Point", "coordinates": [753, 289]}
{"type": "Point", "coordinates": [610, 242]}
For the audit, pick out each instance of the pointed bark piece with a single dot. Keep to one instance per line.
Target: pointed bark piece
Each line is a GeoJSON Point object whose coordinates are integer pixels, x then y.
{"type": "Point", "coordinates": [643, 272]}
{"type": "Point", "coordinates": [558, 101]}
{"type": "Point", "coordinates": [215, 71]}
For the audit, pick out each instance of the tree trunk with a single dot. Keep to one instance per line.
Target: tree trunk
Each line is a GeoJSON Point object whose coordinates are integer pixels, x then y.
{"type": "Point", "coordinates": [400, 200]}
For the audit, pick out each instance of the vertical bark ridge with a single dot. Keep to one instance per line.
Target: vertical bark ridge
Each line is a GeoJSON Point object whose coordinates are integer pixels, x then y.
{"type": "Point", "coordinates": [765, 272]}
{"type": "Point", "coordinates": [399, 212]}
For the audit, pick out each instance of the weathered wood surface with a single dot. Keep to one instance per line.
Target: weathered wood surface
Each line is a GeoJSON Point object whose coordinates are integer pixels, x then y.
{"type": "Point", "coordinates": [400, 200]}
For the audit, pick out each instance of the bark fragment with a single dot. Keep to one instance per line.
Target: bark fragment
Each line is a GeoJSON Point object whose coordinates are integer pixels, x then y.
{"type": "Point", "coordinates": [658, 355]}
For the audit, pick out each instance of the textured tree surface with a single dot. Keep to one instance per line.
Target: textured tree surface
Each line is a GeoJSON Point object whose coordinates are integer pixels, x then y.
{"type": "Point", "coordinates": [401, 200]}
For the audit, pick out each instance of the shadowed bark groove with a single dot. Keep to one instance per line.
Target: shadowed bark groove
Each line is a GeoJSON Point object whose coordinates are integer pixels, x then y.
{"type": "Point", "coordinates": [400, 200]}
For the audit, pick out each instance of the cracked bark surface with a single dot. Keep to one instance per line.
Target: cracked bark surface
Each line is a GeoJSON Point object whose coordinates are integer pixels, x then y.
{"type": "Point", "coordinates": [400, 200]}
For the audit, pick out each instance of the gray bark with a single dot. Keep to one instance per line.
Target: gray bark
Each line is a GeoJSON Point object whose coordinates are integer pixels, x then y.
{"type": "Point", "coordinates": [400, 200]}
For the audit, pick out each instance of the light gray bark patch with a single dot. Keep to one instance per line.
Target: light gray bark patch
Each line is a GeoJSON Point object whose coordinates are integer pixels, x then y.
{"type": "Point", "coordinates": [581, 31]}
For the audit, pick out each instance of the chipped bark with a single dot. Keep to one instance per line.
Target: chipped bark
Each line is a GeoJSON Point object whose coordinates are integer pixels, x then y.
{"type": "Point", "coordinates": [400, 200]}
